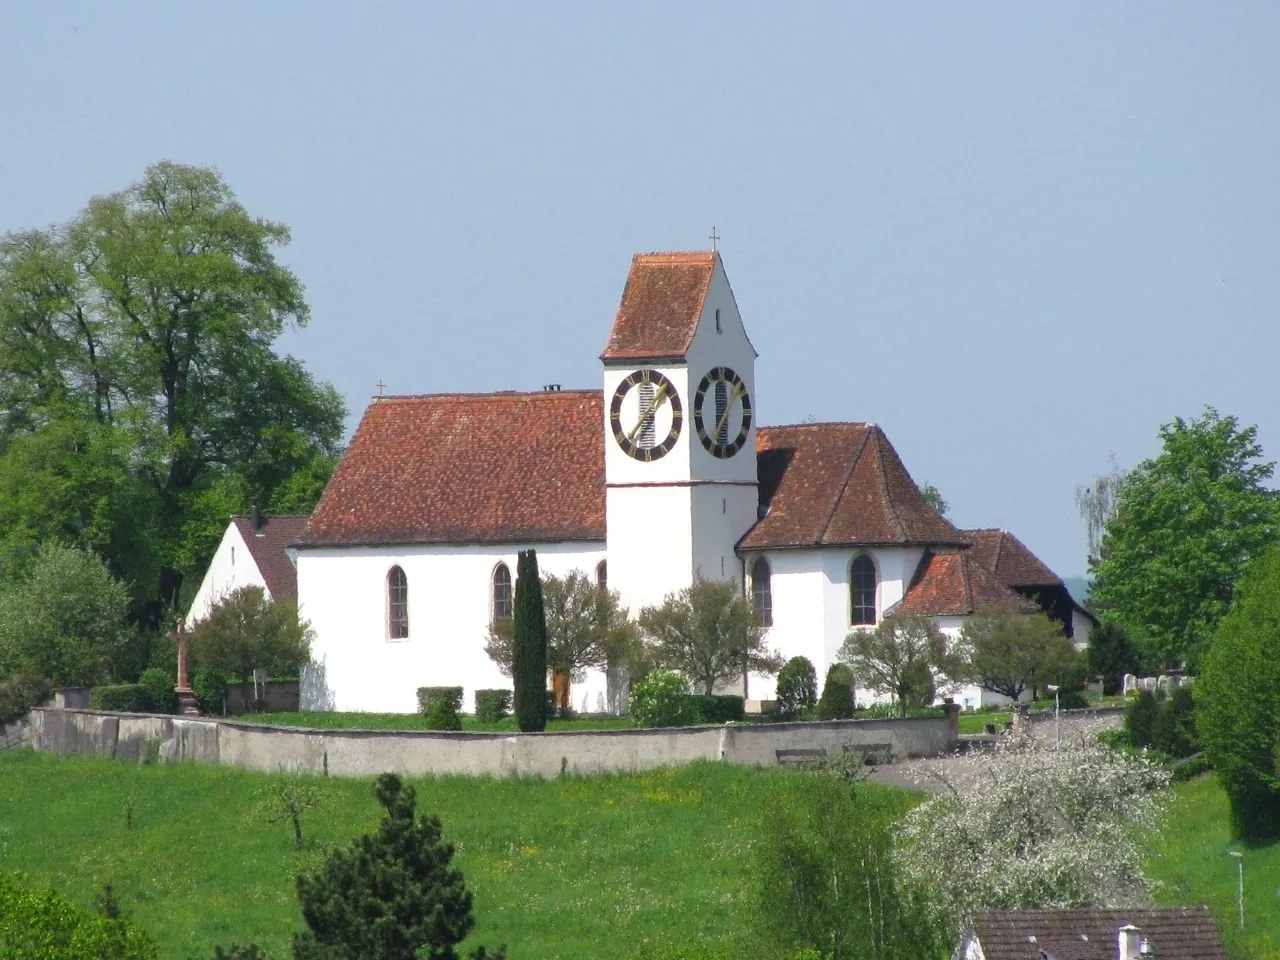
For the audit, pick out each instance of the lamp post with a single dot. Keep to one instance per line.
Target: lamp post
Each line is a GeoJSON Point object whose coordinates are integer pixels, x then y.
{"type": "Point", "coordinates": [1057, 715]}
{"type": "Point", "coordinates": [1239, 883]}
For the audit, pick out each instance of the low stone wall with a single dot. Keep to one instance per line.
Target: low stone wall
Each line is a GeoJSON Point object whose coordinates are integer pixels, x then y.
{"type": "Point", "coordinates": [281, 696]}
{"type": "Point", "coordinates": [367, 752]}
{"type": "Point", "coordinates": [15, 734]}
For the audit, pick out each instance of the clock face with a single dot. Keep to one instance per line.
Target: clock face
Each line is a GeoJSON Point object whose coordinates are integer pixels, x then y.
{"type": "Point", "coordinates": [646, 415]}
{"type": "Point", "coordinates": [722, 412]}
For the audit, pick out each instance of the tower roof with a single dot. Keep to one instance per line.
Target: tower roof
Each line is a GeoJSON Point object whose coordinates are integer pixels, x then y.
{"type": "Point", "coordinates": [661, 305]}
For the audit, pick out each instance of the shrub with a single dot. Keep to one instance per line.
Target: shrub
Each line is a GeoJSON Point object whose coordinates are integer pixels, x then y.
{"type": "Point", "coordinates": [529, 646]}
{"type": "Point", "coordinates": [1140, 718]}
{"type": "Point", "coordinates": [797, 686]}
{"type": "Point", "coordinates": [492, 705]}
{"type": "Point", "coordinates": [1111, 655]}
{"type": "Point", "coordinates": [428, 697]}
{"type": "Point", "coordinates": [444, 715]}
{"type": "Point", "coordinates": [210, 690]}
{"type": "Point", "coordinates": [1174, 730]}
{"type": "Point", "coordinates": [159, 686]}
{"type": "Point", "coordinates": [18, 695]}
{"type": "Point", "coordinates": [127, 697]}
{"type": "Point", "coordinates": [248, 631]}
{"type": "Point", "coordinates": [47, 926]}
{"type": "Point", "coordinates": [836, 702]}
{"type": "Point", "coordinates": [918, 687]}
{"type": "Point", "coordinates": [661, 700]}
{"type": "Point", "coordinates": [248, 951]}
{"type": "Point", "coordinates": [716, 707]}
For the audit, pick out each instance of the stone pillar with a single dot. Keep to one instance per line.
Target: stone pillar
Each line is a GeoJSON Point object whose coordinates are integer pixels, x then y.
{"type": "Point", "coordinates": [953, 723]}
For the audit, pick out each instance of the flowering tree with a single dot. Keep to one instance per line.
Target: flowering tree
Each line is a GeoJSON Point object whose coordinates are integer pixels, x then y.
{"type": "Point", "coordinates": [1029, 826]}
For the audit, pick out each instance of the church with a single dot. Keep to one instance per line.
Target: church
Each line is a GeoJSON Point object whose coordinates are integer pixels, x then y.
{"type": "Point", "coordinates": [661, 476]}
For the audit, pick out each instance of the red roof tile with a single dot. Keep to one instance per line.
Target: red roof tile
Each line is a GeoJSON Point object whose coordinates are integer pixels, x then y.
{"type": "Point", "coordinates": [269, 546]}
{"type": "Point", "coordinates": [1173, 933]}
{"type": "Point", "coordinates": [839, 484]}
{"type": "Point", "coordinates": [469, 468]}
{"type": "Point", "coordinates": [1003, 554]}
{"type": "Point", "coordinates": [661, 304]}
{"type": "Point", "coordinates": [952, 585]}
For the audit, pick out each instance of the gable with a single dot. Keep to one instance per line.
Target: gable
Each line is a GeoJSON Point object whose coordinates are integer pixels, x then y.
{"type": "Point", "coordinates": [953, 585]}
{"type": "Point", "coordinates": [661, 305]}
{"type": "Point", "coordinates": [269, 548]}
{"type": "Point", "coordinates": [1013, 564]}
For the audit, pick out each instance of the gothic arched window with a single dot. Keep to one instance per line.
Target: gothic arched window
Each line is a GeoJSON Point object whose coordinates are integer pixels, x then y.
{"type": "Point", "coordinates": [397, 604]}
{"type": "Point", "coordinates": [762, 591]}
{"type": "Point", "coordinates": [502, 605]}
{"type": "Point", "coordinates": [862, 591]}
{"type": "Point", "coordinates": [602, 574]}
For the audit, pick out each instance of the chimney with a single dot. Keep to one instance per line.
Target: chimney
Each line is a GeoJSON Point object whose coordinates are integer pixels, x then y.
{"type": "Point", "coordinates": [255, 520]}
{"type": "Point", "coordinates": [551, 388]}
{"type": "Point", "coordinates": [1130, 941]}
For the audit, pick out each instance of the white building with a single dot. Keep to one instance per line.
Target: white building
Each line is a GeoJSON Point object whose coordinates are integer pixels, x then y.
{"type": "Point", "coordinates": [254, 551]}
{"type": "Point", "coordinates": [662, 476]}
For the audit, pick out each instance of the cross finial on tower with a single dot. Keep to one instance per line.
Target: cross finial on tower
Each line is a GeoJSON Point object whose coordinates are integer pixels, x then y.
{"type": "Point", "coordinates": [713, 238]}
{"type": "Point", "coordinates": [381, 386]}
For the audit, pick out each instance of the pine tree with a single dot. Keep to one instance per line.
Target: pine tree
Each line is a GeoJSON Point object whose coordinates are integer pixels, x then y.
{"type": "Point", "coordinates": [390, 895]}
{"type": "Point", "coordinates": [529, 647]}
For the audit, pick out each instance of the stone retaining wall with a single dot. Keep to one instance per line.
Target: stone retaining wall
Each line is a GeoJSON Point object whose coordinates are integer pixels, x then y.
{"type": "Point", "coordinates": [365, 752]}
{"type": "Point", "coordinates": [15, 734]}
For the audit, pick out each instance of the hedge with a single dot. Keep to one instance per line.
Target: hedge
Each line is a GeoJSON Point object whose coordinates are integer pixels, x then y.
{"type": "Point", "coordinates": [716, 708]}
{"type": "Point", "coordinates": [428, 697]}
{"type": "Point", "coordinates": [492, 705]}
{"type": "Point", "coordinates": [126, 697]}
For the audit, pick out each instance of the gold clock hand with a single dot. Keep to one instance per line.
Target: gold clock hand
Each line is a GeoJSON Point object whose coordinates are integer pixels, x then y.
{"type": "Point", "coordinates": [738, 391]}
{"type": "Point", "coordinates": [653, 405]}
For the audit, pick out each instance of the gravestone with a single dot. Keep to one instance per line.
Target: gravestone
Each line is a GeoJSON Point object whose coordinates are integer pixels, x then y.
{"type": "Point", "coordinates": [1130, 683]}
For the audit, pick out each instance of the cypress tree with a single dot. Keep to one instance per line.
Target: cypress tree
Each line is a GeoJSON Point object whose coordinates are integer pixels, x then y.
{"type": "Point", "coordinates": [529, 647]}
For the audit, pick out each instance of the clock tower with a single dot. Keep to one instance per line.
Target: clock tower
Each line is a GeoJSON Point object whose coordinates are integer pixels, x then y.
{"type": "Point", "coordinates": [680, 428]}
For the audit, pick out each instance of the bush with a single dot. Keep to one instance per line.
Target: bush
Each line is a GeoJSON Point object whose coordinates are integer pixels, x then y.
{"type": "Point", "coordinates": [248, 631]}
{"type": "Point", "coordinates": [716, 708]}
{"type": "Point", "coordinates": [529, 646]}
{"type": "Point", "coordinates": [159, 686]}
{"type": "Point", "coordinates": [127, 697]}
{"type": "Point", "coordinates": [797, 686]}
{"type": "Point", "coordinates": [492, 705]}
{"type": "Point", "coordinates": [210, 690]}
{"type": "Point", "coordinates": [661, 700]}
{"type": "Point", "coordinates": [47, 926]}
{"type": "Point", "coordinates": [1174, 730]}
{"type": "Point", "coordinates": [428, 697]}
{"type": "Point", "coordinates": [1140, 718]}
{"type": "Point", "coordinates": [836, 702]}
{"type": "Point", "coordinates": [18, 695]}
{"type": "Point", "coordinates": [918, 685]}
{"type": "Point", "coordinates": [444, 715]}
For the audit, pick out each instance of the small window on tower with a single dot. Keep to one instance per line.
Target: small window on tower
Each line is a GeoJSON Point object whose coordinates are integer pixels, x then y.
{"type": "Point", "coordinates": [647, 433]}
{"type": "Point", "coordinates": [718, 328]}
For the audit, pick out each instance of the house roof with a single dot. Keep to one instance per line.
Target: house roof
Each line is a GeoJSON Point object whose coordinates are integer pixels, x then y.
{"type": "Point", "coordinates": [469, 468]}
{"type": "Point", "coordinates": [954, 585]}
{"type": "Point", "coordinates": [1003, 554]}
{"type": "Point", "coordinates": [1175, 933]}
{"type": "Point", "coordinates": [661, 304]}
{"type": "Point", "coordinates": [269, 548]}
{"type": "Point", "coordinates": [839, 484]}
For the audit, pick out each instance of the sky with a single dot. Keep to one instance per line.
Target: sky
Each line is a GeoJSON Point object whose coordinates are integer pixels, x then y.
{"type": "Point", "coordinates": [1019, 237]}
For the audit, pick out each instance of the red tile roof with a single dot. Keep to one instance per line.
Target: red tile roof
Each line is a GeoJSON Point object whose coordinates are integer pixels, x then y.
{"type": "Point", "coordinates": [1003, 554]}
{"type": "Point", "coordinates": [953, 585]}
{"type": "Point", "coordinates": [268, 548]}
{"type": "Point", "coordinates": [469, 468]}
{"type": "Point", "coordinates": [661, 304]}
{"type": "Point", "coordinates": [1174, 933]}
{"type": "Point", "coordinates": [839, 484]}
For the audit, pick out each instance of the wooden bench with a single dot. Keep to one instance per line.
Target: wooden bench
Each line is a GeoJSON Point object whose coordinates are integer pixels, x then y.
{"type": "Point", "coordinates": [798, 757]}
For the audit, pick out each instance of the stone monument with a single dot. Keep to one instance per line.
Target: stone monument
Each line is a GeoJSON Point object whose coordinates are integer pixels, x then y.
{"type": "Point", "coordinates": [187, 705]}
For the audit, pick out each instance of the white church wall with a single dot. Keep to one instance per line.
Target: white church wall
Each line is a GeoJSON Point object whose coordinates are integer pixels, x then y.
{"type": "Point", "coordinates": [722, 513]}
{"type": "Point", "coordinates": [1081, 628]}
{"type": "Point", "coordinates": [798, 630]}
{"type": "Point", "coordinates": [650, 542]}
{"type": "Point", "coordinates": [232, 567]}
{"type": "Point", "coordinates": [343, 592]}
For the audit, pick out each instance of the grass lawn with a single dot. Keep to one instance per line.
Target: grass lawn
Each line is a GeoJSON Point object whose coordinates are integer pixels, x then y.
{"type": "Point", "coordinates": [1191, 862]}
{"type": "Point", "coordinates": [569, 868]}
{"type": "Point", "coordinates": [973, 722]}
{"type": "Point", "coordinates": [416, 721]}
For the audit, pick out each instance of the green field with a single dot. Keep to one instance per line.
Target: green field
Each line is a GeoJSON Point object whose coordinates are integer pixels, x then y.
{"type": "Point", "coordinates": [576, 867]}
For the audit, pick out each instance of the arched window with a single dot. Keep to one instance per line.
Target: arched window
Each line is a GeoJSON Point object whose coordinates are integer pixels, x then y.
{"type": "Point", "coordinates": [397, 604]}
{"type": "Point", "coordinates": [762, 591]}
{"type": "Point", "coordinates": [502, 605]}
{"type": "Point", "coordinates": [602, 574]}
{"type": "Point", "coordinates": [862, 591]}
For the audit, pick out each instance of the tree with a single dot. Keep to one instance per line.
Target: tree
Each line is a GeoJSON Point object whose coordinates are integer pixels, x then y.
{"type": "Point", "coordinates": [1110, 655]}
{"type": "Point", "coordinates": [586, 627]}
{"type": "Point", "coordinates": [150, 319]}
{"type": "Point", "coordinates": [1036, 827]}
{"type": "Point", "coordinates": [933, 497]}
{"type": "Point", "coordinates": [889, 658]}
{"type": "Point", "coordinates": [1186, 525]}
{"type": "Point", "coordinates": [247, 631]}
{"type": "Point", "coordinates": [709, 632]}
{"type": "Point", "coordinates": [1009, 652]}
{"type": "Point", "coordinates": [529, 647]}
{"type": "Point", "coordinates": [287, 798]}
{"type": "Point", "coordinates": [836, 702]}
{"type": "Point", "coordinates": [46, 925]}
{"type": "Point", "coordinates": [1097, 504]}
{"type": "Point", "coordinates": [797, 686]}
{"type": "Point", "coordinates": [1238, 702]}
{"type": "Point", "coordinates": [390, 895]}
{"type": "Point", "coordinates": [64, 622]}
